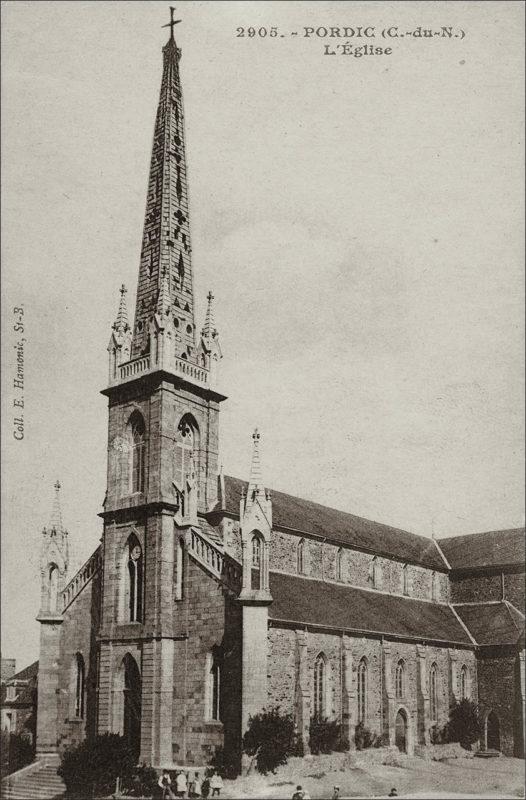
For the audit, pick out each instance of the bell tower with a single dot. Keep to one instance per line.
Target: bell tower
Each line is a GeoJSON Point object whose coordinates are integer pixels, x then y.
{"type": "Point", "coordinates": [163, 435]}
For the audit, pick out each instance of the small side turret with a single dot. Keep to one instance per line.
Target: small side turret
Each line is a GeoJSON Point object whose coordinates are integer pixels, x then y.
{"type": "Point", "coordinates": [119, 346]}
{"type": "Point", "coordinates": [255, 515]}
{"type": "Point", "coordinates": [54, 560]}
{"type": "Point", "coordinates": [209, 350]}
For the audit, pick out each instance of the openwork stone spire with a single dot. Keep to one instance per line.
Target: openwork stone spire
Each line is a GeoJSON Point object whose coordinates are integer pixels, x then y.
{"type": "Point", "coordinates": [256, 478]}
{"type": "Point", "coordinates": [55, 522]}
{"type": "Point", "coordinates": [166, 247]}
{"type": "Point", "coordinates": [121, 324]}
{"type": "Point", "coordinates": [209, 328]}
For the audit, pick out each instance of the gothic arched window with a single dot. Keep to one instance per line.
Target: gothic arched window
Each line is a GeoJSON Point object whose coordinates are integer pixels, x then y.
{"type": "Point", "coordinates": [405, 579]}
{"type": "Point", "coordinates": [400, 679]}
{"type": "Point", "coordinates": [434, 586]}
{"type": "Point", "coordinates": [79, 685]}
{"type": "Point", "coordinates": [339, 565]}
{"type": "Point", "coordinates": [256, 557]}
{"type": "Point", "coordinates": [301, 557]}
{"type": "Point", "coordinates": [433, 691]}
{"type": "Point", "coordinates": [135, 578]}
{"type": "Point", "coordinates": [376, 573]}
{"type": "Point", "coordinates": [137, 447]}
{"type": "Point", "coordinates": [362, 690]}
{"type": "Point", "coordinates": [186, 452]}
{"type": "Point", "coordinates": [213, 688]}
{"type": "Point", "coordinates": [53, 587]}
{"type": "Point", "coordinates": [464, 683]}
{"type": "Point", "coordinates": [320, 686]}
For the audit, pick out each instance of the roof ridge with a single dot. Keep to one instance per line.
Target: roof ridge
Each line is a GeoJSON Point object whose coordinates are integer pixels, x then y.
{"type": "Point", "coordinates": [483, 533]}
{"type": "Point", "coordinates": [459, 618]}
{"type": "Point", "coordinates": [514, 607]}
{"type": "Point", "coordinates": [444, 559]}
{"type": "Point", "coordinates": [517, 628]}
{"type": "Point", "coordinates": [339, 510]}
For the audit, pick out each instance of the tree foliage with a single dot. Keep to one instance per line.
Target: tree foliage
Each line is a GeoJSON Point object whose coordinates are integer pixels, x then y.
{"type": "Point", "coordinates": [92, 767]}
{"type": "Point", "coordinates": [325, 736]}
{"type": "Point", "coordinates": [465, 724]}
{"type": "Point", "coordinates": [270, 739]}
{"type": "Point", "coordinates": [17, 752]}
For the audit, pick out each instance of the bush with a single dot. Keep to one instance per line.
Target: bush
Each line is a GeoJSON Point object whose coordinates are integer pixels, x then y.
{"type": "Point", "coordinates": [465, 724]}
{"type": "Point", "coordinates": [92, 767]}
{"type": "Point", "coordinates": [270, 738]}
{"type": "Point", "coordinates": [225, 763]}
{"type": "Point", "coordinates": [144, 782]}
{"type": "Point", "coordinates": [17, 751]}
{"type": "Point", "coordinates": [325, 736]}
{"type": "Point", "coordinates": [363, 737]}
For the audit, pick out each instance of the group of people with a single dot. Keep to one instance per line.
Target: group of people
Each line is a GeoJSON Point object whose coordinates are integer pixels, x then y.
{"type": "Point", "coordinates": [185, 786]}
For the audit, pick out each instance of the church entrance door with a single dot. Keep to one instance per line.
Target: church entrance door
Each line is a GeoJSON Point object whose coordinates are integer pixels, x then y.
{"type": "Point", "coordinates": [492, 732]}
{"type": "Point", "coordinates": [401, 731]}
{"type": "Point", "coordinates": [132, 704]}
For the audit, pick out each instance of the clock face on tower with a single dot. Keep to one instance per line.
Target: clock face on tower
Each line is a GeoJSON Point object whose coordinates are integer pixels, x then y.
{"type": "Point", "coordinates": [135, 553]}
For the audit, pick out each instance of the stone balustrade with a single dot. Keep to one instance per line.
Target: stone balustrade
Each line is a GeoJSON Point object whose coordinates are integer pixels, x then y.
{"type": "Point", "coordinates": [82, 577]}
{"type": "Point", "coordinates": [179, 366]}
{"type": "Point", "coordinates": [217, 562]}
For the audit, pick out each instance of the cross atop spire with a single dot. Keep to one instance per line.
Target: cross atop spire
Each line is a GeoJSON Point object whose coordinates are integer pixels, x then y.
{"type": "Point", "coordinates": [173, 22]}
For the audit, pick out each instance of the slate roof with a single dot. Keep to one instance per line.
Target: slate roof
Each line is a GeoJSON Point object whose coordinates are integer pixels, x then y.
{"type": "Point", "coordinates": [489, 549]}
{"type": "Point", "coordinates": [25, 693]}
{"type": "Point", "coordinates": [492, 623]}
{"type": "Point", "coordinates": [307, 601]}
{"type": "Point", "coordinates": [307, 517]}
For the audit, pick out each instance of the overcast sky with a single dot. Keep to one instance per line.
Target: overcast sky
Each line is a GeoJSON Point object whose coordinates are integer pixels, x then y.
{"type": "Point", "coordinates": [359, 221]}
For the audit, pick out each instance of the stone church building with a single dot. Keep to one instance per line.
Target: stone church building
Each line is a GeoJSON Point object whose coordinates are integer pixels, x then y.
{"type": "Point", "coordinates": [211, 597]}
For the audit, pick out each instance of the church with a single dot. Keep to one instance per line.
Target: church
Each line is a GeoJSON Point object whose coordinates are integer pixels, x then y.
{"type": "Point", "coordinates": [212, 597]}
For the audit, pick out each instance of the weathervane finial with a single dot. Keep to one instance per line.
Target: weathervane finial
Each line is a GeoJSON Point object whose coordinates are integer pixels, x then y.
{"type": "Point", "coordinates": [173, 22]}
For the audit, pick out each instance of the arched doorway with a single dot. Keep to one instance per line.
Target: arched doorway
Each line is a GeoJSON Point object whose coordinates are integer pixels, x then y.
{"type": "Point", "coordinates": [401, 731]}
{"type": "Point", "coordinates": [492, 732]}
{"type": "Point", "coordinates": [132, 704]}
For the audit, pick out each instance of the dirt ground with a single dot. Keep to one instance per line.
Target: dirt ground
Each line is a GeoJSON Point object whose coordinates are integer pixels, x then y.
{"type": "Point", "coordinates": [412, 777]}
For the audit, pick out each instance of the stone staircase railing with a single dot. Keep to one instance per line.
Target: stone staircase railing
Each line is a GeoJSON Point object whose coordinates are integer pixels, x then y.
{"type": "Point", "coordinates": [85, 574]}
{"type": "Point", "coordinates": [220, 564]}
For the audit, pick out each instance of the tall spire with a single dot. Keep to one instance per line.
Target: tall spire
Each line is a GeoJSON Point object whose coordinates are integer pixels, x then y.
{"type": "Point", "coordinates": [166, 244]}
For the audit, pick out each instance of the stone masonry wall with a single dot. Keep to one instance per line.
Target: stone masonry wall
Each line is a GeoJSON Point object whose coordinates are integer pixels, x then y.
{"type": "Point", "coordinates": [497, 692]}
{"type": "Point", "coordinates": [321, 559]}
{"type": "Point", "coordinates": [283, 673]}
{"type": "Point", "coordinates": [483, 587]}
{"type": "Point", "coordinates": [476, 588]}
{"type": "Point", "coordinates": [162, 410]}
{"type": "Point", "coordinates": [212, 618]}
{"type": "Point", "coordinates": [78, 635]}
{"type": "Point", "coordinates": [514, 589]}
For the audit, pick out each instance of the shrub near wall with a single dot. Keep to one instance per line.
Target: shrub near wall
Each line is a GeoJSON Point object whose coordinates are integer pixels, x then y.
{"type": "Point", "coordinates": [325, 736]}
{"type": "Point", "coordinates": [92, 768]}
{"type": "Point", "coordinates": [269, 739]}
